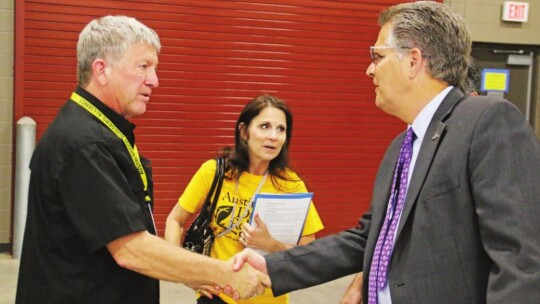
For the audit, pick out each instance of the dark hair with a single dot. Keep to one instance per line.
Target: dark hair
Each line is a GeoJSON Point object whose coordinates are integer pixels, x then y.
{"type": "Point", "coordinates": [473, 82]}
{"type": "Point", "coordinates": [238, 157]}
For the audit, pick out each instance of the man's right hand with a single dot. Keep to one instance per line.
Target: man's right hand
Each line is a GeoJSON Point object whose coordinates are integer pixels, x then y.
{"type": "Point", "coordinates": [246, 282]}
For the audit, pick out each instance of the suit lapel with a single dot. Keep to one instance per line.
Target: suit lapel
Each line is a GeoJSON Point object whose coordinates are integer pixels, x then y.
{"type": "Point", "coordinates": [381, 194]}
{"type": "Point", "coordinates": [432, 140]}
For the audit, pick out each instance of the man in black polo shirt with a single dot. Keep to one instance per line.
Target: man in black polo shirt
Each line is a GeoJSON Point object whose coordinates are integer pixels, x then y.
{"type": "Point", "coordinates": [90, 235]}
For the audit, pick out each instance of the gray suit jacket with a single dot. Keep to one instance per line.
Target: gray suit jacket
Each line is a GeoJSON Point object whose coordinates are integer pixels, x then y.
{"type": "Point", "coordinates": [469, 232]}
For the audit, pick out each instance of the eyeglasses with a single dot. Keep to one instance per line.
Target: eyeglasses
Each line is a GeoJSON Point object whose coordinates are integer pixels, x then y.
{"type": "Point", "coordinates": [376, 58]}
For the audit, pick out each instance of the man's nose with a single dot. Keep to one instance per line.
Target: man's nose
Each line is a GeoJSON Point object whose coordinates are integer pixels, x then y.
{"type": "Point", "coordinates": [152, 78]}
{"type": "Point", "coordinates": [370, 71]}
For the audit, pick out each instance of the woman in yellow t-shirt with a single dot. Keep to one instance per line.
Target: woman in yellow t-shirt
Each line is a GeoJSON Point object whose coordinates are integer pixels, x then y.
{"type": "Point", "coordinates": [258, 163]}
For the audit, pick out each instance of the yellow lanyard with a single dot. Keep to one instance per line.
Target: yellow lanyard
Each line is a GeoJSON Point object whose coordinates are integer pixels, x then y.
{"type": "Point", "coordinates": [132, 150]}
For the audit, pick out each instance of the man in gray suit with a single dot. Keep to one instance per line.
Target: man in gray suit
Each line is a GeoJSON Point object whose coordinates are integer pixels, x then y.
{"type": "Point", "coordinates": [468, 229]}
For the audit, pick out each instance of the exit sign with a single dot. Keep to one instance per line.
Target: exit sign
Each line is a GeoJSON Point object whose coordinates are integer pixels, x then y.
{"type": "Point", "coordinates": [515, 11]}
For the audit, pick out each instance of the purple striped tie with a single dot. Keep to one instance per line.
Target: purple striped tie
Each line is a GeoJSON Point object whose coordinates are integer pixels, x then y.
{"type": "Point", "coordinates": [385, 242]}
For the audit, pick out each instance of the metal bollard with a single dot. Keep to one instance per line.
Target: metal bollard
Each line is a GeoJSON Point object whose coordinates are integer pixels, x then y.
{"type": "Point", "coordinates": [26, 142]}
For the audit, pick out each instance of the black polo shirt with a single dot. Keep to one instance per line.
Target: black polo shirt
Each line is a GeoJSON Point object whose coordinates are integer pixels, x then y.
{"type": "Point", "coordinates": [85, 192]}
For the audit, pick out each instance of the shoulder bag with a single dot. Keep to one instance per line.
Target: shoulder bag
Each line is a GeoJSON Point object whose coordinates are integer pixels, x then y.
{"type": "Point", "coordinates": [200, 236]}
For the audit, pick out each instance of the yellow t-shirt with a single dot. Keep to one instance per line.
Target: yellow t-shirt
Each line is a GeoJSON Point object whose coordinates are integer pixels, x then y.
{"type": "Point", "coordinates": [235, 199]}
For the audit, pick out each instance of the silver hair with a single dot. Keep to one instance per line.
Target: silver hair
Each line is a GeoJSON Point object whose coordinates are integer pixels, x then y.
{"type": "Point", "coordinates": [109, 38]}
{"type": "Point", "coordinates": [435, 29]}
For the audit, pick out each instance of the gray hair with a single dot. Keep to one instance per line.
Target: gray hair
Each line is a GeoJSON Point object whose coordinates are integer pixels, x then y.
{"type": "Point", "coordinates": [439, 32]}
{"type": "Point", "coordinates": [109, 38]}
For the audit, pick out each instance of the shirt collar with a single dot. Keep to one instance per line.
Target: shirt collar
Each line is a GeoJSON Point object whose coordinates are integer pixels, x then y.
{"type": "Point", "coordinates": [120, 122]}
{"type": "Point", "coordinates": [422, 120]}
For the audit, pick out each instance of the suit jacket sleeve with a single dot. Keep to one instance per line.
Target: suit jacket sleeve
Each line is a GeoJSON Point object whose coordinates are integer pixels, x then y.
{"type": "Point", "coordinates": [320, 261]}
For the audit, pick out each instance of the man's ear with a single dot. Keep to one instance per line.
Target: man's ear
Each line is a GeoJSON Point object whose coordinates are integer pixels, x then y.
{"type": "Point", "coordinates": [417, 62]}
{"type": "Point", "coordinates": [100, 71]}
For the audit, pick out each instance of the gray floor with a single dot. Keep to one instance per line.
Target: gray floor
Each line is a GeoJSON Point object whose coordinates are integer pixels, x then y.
{"type": "Point", "coordinates": [172, 293]}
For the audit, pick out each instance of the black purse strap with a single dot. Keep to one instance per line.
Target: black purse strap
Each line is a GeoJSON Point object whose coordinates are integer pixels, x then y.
{"type": "Point", "coordinates": [210, 204]}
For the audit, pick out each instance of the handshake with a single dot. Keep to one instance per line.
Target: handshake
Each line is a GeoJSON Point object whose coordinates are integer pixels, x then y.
{"type": "Point", "coordinates": [246, 277]}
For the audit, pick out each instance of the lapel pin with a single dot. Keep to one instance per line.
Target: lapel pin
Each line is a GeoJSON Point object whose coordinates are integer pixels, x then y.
{"type": "Point", "coordinates": [436, 135]}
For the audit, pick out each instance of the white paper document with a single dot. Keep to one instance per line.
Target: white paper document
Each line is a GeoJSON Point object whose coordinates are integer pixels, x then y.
{"type": "Point", "coordinates": [283, 214]}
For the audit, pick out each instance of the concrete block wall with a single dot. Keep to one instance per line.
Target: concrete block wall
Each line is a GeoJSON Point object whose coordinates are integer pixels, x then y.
{"type": "Point", "coordinates": [7, 15]}
{"type": "Point", "coordinates": [483, 17]}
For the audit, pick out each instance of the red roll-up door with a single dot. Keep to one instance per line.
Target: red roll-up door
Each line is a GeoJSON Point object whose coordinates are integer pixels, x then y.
{"type": "Point", "coordinates": [216, 56]}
